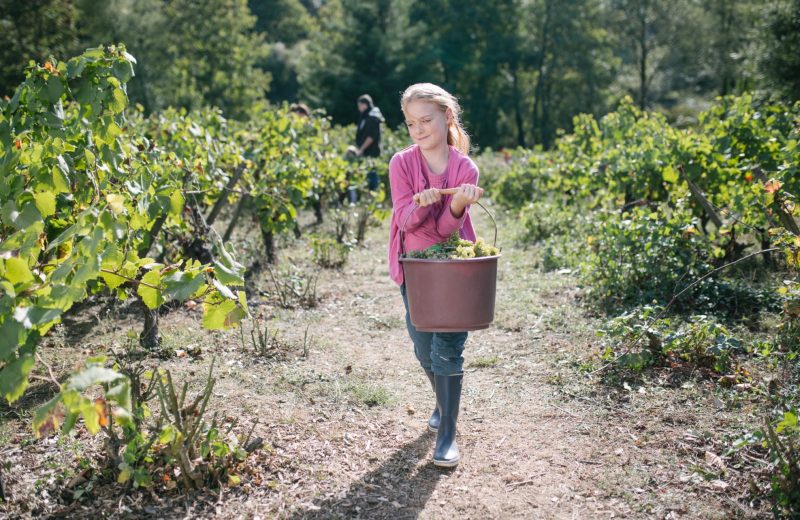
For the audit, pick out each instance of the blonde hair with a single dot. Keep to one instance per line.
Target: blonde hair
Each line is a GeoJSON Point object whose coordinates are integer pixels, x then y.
{"type": "Point", "coordinates": [456, 135]}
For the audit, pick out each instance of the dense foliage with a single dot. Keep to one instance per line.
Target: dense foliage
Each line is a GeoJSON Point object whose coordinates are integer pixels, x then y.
{"type": "Point", "coordinates": [100, 200]}
{"type": "Point", "coordinates": [680, 237]}
{"type": "Point", "coordinates": [522, 68]}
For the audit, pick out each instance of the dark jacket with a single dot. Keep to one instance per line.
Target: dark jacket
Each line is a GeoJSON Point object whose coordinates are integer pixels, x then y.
{"type": "Point", "coordinates": [369, 125]}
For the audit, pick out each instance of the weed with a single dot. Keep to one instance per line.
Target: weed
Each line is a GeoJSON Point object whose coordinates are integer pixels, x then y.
{"type": "Point", "coordinates": [368, 393]}
{"type": "Point", "coordinates": [484, 362]}
{"type": "Point", "coordinates": [328, 252]}
{"type": "Point", "coordinates": [294, 288]}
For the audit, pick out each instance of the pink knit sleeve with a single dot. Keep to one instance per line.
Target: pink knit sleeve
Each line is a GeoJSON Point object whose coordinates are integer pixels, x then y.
{"type": "Point", "coordinates": [403, 196]}
{"type": "Point", "coordinates": [447, 223]}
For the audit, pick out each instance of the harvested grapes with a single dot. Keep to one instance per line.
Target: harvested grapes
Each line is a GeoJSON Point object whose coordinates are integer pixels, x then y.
{"type": "Point", "coordinates": [456, 248]}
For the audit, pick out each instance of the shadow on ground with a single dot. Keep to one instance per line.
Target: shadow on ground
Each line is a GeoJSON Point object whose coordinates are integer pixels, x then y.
{"type": "Point", "coordinates": [398, 489]}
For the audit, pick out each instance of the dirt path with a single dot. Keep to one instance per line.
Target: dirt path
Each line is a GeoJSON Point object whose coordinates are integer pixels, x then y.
{"type": "Point", "coordinates": [345, 426]}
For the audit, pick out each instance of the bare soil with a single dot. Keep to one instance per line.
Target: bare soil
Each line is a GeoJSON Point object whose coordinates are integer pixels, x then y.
{"type": "Point", "coordinates": [344, 423]}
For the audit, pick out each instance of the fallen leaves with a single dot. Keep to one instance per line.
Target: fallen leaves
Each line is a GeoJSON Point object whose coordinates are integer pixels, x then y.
{"type": "Point", "coordinates": [714, 460]}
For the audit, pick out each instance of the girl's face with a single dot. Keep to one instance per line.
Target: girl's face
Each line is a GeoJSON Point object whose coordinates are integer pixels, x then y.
{"type": "Point", "coordinates": [427, 124]}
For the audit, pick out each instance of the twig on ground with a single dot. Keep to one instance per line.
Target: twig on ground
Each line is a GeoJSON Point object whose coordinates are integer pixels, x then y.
{"type": "Point", "coordinates": [49, 370]}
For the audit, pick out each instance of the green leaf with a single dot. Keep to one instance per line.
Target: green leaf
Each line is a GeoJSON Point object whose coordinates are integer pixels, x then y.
{"type": "Point", "coordinates": [53, 89]}
{"type": "Point", "coordinates": [180, 285]}
{"type": "Point", "coordinates": [17, 271]}
{"type": "Point", "coordinates": [90, 417]}
{"type": "Point", "coordinates": [121, 393]}
{"type": "Point", "coordinates": [151, 292]}
{"type": "Point", "coordinates": [64, 236]}
{"type": "Point", "coordinates": [167, 435]}
{"type": "Point", "coordinates": [60, 180]}
{"type": "Point", "coordinates": [110, 132]}
{"type": "Point", "coordinates": [176, 203]}
{"type": "Point", "coordinates": [123, 70]}
{"type": "Point", "coordinates": [14, 377]}
{"type": "Point", "coordinates": [92, 376]}
{"type": "Point", "coordinates": [35, 317]}
{"type": "Point", "coordinates": [229, 276]}
{"type": "Point", "coordinates": [112, 280]}
{"type": "Point", "coordinates": [20, 218]}
{"type": "Point", "coordinates": [116, 202]}
{"type": "Point", "coordinates": [64, 296]}
{"type": "Point", "coordinates": [125, 474]}
{"type": "Point", "coordinates": [75, 67]}
{"type": "Point", "coordinates": [224, 291]}
{"type": "Point", "coordinates": [12, 336]}
{"type": "Point", "coordinates": [45, 202]}
{"type": "Point", "coordinates": [118, 101]}
{"type": "Point", "coordinates": [789, 421]}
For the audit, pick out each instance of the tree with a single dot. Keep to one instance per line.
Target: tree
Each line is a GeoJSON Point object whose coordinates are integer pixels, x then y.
{"type": "Point", "coordinates": [287, 25]}
{"type": "Point", "coordinates": [350, 55]}
{"type": "Point", "coordinates": [658, 40]}
{"type": "Point", "coordinates": [285, 21]}
{"type": "Point", "coordinates": [781, 62]}
{"type": "Point", "coordinates": [33, 30]}
{"type": "Point", "coordinates": [470, 49]}
{"type": "Point", "coordinates": [190, 54]}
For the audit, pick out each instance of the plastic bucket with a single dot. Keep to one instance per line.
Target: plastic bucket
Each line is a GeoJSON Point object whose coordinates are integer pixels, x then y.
{"type": "Point", "coordinates": [451, 295]}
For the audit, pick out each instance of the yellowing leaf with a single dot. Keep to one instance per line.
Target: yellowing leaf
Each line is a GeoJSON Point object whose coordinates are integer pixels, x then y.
{"type": "Point", "coordinates": [116, 202]}
{"type": "Point", "coordinates": [45, 202]}
{"type": "Point", "coordinates": [669, 175]}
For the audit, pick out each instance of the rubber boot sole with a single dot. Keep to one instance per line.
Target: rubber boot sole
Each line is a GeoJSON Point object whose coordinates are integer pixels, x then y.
{"type": "Point", "coordinates": [447, 463]}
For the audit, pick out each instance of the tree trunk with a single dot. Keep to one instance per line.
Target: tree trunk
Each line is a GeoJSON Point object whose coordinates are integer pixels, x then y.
{"type": "Point", "coordinates": [235, 218]}
{"type": "Point", "coordinates": [224, 198]}
{"type": "Point", "coordinates": [642, 56]}
{"type": "Point", "coordinates": [317, 204]}
{"type": "Point", "coordinates": [517, 106]}
{"type": "Point", "coordinates": [150, 338]}
{"type": "Point", "coordinates": [539, 115]}
{"type": "Point", "coordinates": [269, 245]}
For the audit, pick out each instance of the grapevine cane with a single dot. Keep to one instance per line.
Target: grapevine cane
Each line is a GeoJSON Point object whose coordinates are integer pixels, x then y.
{"type": "Point", "coordinates": [443, 191]}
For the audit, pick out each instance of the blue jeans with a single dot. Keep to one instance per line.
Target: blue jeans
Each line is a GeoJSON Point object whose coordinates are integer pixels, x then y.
{"type": "Point", "coordinates": [373, 181]}
{"type": "Point", "coordinates": [437, 352]}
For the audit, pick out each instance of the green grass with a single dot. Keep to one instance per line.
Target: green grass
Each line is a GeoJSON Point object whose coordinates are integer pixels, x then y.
{"type": "Point", "coordinates": [484, 362]}
{"type": "Point", "coordinates": [367, 393]}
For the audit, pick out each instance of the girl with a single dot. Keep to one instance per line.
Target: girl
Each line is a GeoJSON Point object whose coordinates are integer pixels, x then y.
{"type": "Point", "coordinates": [437, 160]}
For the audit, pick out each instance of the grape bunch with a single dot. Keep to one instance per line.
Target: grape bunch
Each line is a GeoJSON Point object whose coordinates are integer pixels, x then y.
{"type": "Point", "coordinates": [456, 248]}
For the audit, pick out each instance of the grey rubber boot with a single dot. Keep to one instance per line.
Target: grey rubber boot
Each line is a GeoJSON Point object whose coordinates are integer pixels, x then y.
{"type": "Point", "coordinates": [448, 396]}
{"type": "Point", "coordinates": [433, 422]}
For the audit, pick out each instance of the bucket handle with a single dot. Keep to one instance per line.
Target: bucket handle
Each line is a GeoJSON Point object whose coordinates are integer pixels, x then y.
{"type": "Point", "coordinates": [443, 191]}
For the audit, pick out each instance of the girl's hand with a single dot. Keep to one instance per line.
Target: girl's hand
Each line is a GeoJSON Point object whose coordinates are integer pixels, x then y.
{"type": "Point", "coordinates": [427, 197]}
{"type": "Point", "coordinates": [467, 194]}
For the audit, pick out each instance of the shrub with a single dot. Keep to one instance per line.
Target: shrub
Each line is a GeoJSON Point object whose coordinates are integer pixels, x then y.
{"type": "Point", "coordinates": [562, 231]}
{"type": "Point", "coordinates": [646, 256]}
{"type": "Point", "coordinates": [637, 340]}
{"type": "Point", "coordinates": [328, 252]}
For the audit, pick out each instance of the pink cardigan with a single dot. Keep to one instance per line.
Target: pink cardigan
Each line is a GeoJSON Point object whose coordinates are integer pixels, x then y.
{"type": "Point", "coordinates": [408, 175]}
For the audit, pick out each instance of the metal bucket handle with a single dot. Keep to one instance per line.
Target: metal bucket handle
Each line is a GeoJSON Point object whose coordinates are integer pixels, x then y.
{"type": "Point", "coordinates": [445, 191]}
